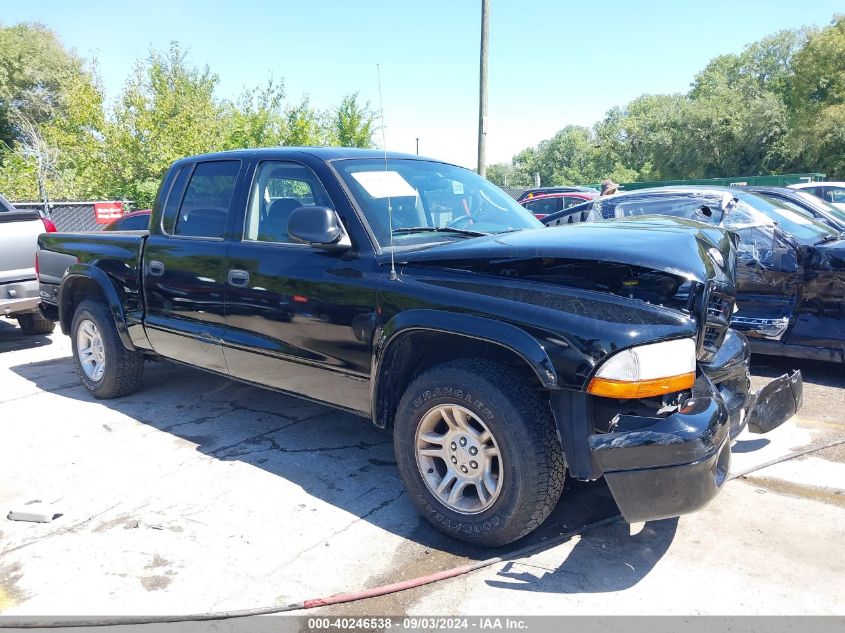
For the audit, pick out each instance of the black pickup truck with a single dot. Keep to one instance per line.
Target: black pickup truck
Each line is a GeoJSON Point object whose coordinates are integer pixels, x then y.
{"type": "Point", "coordinates": [502, 355]}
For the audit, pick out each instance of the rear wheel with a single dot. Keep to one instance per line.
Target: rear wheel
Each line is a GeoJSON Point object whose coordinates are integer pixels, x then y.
{"type": "Point", "coordinates": [477, 449]}
{"type": "Point", "coordinates": [105, 366]}
{"type": "Point", "coordinates": [34, 323]}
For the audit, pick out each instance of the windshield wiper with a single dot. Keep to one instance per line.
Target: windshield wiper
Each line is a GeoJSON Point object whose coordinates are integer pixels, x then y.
{"type": "Point", "coordinates": [437, 229]}
{"type": "Point", "coordinates": [828, 238]}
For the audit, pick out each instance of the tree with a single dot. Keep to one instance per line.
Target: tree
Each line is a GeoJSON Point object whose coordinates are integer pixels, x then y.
{"type": "Point", "coordinates": [305, 126]}
{"type": "Point", "coordinates": [257, 119]}
{"type": "Point", "coordinates": [35, 73]}
{"type": "Point", "coordinates": [48, 98]}
{"type": "Point", "coordinates": [504, 175]}
{"type": "Point", "coordinates": [352, 124]}
{"type": "Point", "coordinates": [167, 111]}
{"type": "Point", "coordinates": [33, 146]}
{"type": "Point", "coordinates": [816, 93]}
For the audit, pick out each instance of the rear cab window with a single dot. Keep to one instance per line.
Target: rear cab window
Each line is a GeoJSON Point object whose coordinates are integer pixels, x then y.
{"type": "Point", "coordinates": [203, 197]}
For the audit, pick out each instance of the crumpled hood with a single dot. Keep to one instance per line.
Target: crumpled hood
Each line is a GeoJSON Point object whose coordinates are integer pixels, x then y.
{"type": "Point", "coordinates": [678, 247]}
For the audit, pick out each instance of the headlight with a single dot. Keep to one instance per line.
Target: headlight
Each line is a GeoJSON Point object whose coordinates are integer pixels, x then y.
{"type": "Point", "coordinates": [647, 370]}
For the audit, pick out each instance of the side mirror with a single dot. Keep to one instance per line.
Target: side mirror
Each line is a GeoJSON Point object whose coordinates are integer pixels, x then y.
{"type": "Point", "coordinates": [318, 226]}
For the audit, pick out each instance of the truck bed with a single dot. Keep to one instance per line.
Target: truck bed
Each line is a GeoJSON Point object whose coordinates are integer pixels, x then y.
{"type": "Point", "coordinates": [118, 255]}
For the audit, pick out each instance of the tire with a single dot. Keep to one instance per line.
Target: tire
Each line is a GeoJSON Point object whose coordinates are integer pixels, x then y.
{"type": "Point", "coordinates": [121, 370]}
{"type": "Point", "coordinates": [34, 323]}
{"type": "Point", "coordinates": [524, 475]}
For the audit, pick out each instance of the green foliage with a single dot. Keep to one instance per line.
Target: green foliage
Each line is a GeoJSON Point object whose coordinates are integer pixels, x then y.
{"type": "Point", "coordinates": [777, 106]}
{"type": "Point", "coordinates": [35, 71]}
{"type": "Point", "coordinates": [817, 96]}
{"type": "Point", "coordinates": [305, 126]}
{"type": "Point", "coordinates": [352, 123]}
{"type": "Point", "coordinates": [51, 106]}
{"type": "Point", "coordinates": [57, 138]}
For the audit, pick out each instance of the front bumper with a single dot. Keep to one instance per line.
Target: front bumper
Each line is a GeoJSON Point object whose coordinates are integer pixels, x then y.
{"type": "Point", "coordinates": [664, 467]}
{"type": "Point", "coordinates": [763, 410]}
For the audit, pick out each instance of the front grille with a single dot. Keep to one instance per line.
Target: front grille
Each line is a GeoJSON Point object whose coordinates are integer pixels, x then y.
{"type": "Point", "coordinates": [717, 320]}
{"type": "Point", "coordinates": [711, 338]}
{"type": "Point", "coordinates": [720, 306]}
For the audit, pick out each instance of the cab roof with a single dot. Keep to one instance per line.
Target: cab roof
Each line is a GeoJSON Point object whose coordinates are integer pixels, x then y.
{"type": "Point", "coordinates": [323, 153]}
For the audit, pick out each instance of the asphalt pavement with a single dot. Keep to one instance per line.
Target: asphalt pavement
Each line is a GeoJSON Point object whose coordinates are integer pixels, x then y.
{"type": "Point", "coordinates": [201, 494]}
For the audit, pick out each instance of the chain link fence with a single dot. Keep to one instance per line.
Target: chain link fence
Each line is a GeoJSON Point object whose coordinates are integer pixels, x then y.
{"type": "Point", "coordinates": [71, 216]}
{"type": "Point", "coordinates": [514, 192]}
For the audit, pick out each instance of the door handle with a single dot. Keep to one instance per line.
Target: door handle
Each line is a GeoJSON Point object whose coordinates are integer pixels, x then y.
{"type": "Point", "coordinates": [239, 278]}
{"type": "Point", "coordinates": [156, 268]}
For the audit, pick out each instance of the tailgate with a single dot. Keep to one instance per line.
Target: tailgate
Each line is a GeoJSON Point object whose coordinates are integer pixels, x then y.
{"type": "Point", "coordinates": [19, 231]}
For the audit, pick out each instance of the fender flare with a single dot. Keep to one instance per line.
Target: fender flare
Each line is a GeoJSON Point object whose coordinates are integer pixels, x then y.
{"type": "Point", "coordinates": [478, 328]}
{"type": "Point", "coordinates": [88, 272]}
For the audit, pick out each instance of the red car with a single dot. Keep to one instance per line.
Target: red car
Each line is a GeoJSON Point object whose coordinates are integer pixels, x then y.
{"type": "Point", "coordinates": [548, 203]}
{"type": "Point", "coordinates": [135, 221]}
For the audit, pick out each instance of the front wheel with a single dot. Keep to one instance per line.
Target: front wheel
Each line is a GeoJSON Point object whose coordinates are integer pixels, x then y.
{"type": "Point", "coordinates": [105, 366]}
{"type": "Point", "coordinates": [477, 449]}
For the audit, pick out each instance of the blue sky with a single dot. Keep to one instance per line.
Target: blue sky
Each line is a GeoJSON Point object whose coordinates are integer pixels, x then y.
{"type": "Point", "coordinates": [552, 63]}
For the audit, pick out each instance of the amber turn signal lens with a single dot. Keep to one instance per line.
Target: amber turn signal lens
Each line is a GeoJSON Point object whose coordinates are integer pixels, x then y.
{"type": "Point", "coordinates": [623, 389]}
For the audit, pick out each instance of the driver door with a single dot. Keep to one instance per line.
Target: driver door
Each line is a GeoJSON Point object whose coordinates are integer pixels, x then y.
{"type": "Point", "coordinates": [298, 318]}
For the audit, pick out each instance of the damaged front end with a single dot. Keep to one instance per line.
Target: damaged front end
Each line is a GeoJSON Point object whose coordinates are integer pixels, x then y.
{"type": "Point", "coordinates": [671, 456]}
{"type": "Point", "coordinates": [624, 302]}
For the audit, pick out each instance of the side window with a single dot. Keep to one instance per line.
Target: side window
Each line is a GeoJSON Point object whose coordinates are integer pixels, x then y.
{"type": "Point", "coordinates": [205, 204]}
{"type": "Point", "coordinates": [279, 188]}
{"type": "Point", "coordinates": [835, 195]}
{"type": "Point", "coordinates": [571, 201]}
{"type": "Point", "coordinates": [135, 223]}
{"type": "Point", "coordinates": [545, 205]}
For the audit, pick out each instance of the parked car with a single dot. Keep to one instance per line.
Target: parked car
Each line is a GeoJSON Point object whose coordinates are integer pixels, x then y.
{"type": "Point", "coordinates": [790, 295]}
{"type": "Point", "coordinates": [539, 191]}
{"type": "Point", "coordinates": [831, 192]}
{"type": "Point", "coordinates": [547, 203]}
{"type": "Point", "coordinates": [135, 221]}
{"type": "Point", "coordinates": [19, 298]}
{"type": "Point", "coordinates": [501, 355]}
{"type": "Point", "coordinates": [803, 203]}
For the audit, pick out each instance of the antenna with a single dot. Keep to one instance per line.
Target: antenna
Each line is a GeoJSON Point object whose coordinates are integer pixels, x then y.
{"type": "Point", "coordinates": [393, 275]}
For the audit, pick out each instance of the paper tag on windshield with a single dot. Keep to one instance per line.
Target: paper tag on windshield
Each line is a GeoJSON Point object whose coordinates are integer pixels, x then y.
{"type": "Point", "coordinates": [457, 188]}
{"type": "Point", "coordinates": [384, 184]}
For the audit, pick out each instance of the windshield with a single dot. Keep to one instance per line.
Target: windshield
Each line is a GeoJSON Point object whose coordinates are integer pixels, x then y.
{"type": "Point", "coordinates": [429, 201]}
{"type": "Point", "coordinates": [5, 205]}
{"type": "Point", "coordinates": [804, 229]}
{"type": "Point", "coordinates": [807, 207]}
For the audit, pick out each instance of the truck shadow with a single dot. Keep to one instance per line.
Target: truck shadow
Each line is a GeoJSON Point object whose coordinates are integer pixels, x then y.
{"type": "Point", "coordinates": [336, 457]}
{"type": "Point", "coordinates": [13, 339]}
{"type": "Point", "coordinates": [605, 560]}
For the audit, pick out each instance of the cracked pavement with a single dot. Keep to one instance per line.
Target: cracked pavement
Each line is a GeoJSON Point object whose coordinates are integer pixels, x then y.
{"type": "Point", "coordinates": [198, 493]}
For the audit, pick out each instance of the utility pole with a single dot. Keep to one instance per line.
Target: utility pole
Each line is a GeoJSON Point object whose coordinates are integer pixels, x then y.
{"type": "Point", "coordinates": [482, 88]}
{"type": "Point", "coordinates": [418, 146]}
